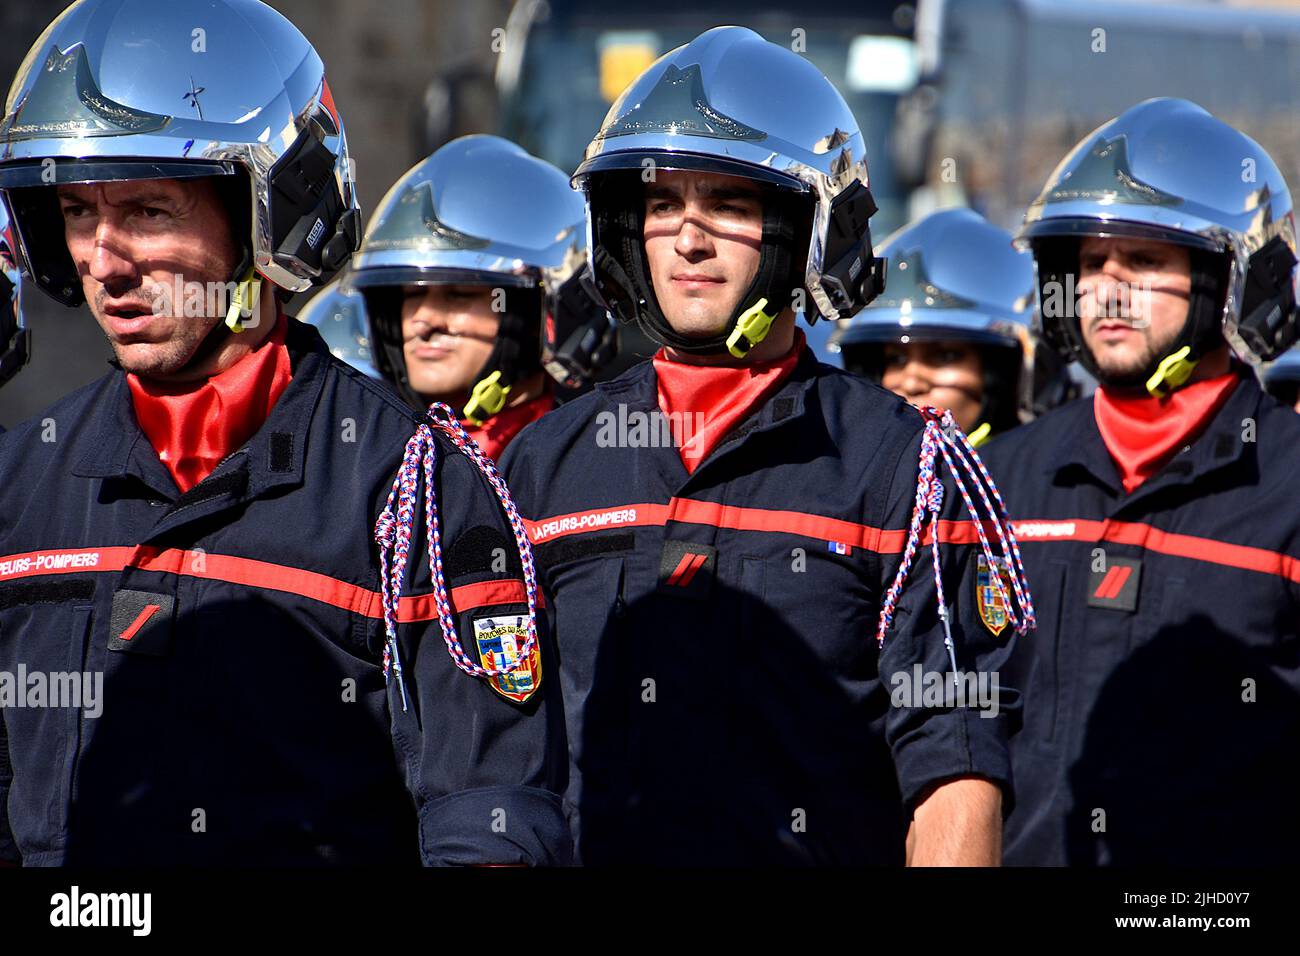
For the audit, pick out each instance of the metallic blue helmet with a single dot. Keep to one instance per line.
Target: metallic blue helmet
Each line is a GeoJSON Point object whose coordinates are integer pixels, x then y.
{"type": "Point", "coordinates": [1168, 170]}
{"type": "Point", "coordinates": [730, 102]}
{"type": "Point", "coordinates": [954, 277]}
{"type": "Point", "coordinates": [169, 89]}
{"type": "Point", "coordinates": [1282, 377]}
{"type": "Point", "coordinates": [339, 314]}
{"type": "Point", "coordinates": [481, 210]}
{"type": "Point", "coordinates": [15, 339]}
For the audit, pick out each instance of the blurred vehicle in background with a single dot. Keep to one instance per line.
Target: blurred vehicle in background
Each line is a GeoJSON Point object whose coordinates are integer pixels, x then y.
{"type": "Point", "coordinates": [1007, 87]}
{"type": "Point", "coordinates": [961, 102]}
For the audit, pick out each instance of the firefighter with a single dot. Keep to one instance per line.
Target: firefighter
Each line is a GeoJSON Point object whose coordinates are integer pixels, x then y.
{"type": "Point", "coordinates": [201, 549]}
{"type": "Point", "coordinates": [952, 328]}
{"type": "Point", "coordinates": [1157, 518]}
{"type": "Point", "coordinates": [472, 273]}
{"type": "Point", "coordinates": [15, 339]}
{"type": "Point", "coordinates": [721, 528]}
{"type": "Point", "coordinates": [15, 351]}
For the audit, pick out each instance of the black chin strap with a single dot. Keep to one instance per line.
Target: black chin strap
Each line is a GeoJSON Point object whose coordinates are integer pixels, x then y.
{"type": "Point", "coordinates": [1201, 332]}
{"type": "Point", "coordinates": [220, 333]}
{"type": "Point", "coordinates": [515, 355]}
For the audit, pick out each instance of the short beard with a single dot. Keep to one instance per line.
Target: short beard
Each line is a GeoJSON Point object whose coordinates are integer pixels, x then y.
{"type": "Point", "coordinates": [1134, 374]}
{"type": "Point", "coordinates": [158, 360]}
{"type": "Point", "coordinates": [161, 360]}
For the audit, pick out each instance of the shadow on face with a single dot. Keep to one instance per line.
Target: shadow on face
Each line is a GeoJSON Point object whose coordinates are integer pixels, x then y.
{"type": "Point", "coordinates": [944, 374]}
{"type": "Point", "coordinates": [448, 332]}
{"type": "Point", "coordinates": [134, 244]}
{"type": "Point", "coordinates": [1133, 301]}
{"type": "Point", "coordinates": [703, 234]}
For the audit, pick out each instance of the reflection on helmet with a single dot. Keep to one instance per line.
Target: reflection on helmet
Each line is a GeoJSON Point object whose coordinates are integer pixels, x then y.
{"type": "Point", "coordinates": [955, 277]}
{"type": "Point", "coordinates": [1168, 170]}
{"type": "Point", "coordinates": [339, 314]}
{"type": "Point", "coordinates": [15, 339]}
{"type": "Point", "coordinates": [481, 210]}
{"type": "Point", "coordinates": [1282, 377]}
{"type": "Point", "coordinates": [227, 88]}
{"type": "Point", "coordinates": [730, 102]}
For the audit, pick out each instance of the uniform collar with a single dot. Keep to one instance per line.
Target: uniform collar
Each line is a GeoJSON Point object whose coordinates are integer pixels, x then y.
{"type": "Point", "coordinates": [1081, 450]}
{"type": "Point", "coordinates": [638, 390]}
{"type": "Point", "coordinates": [272, 458]}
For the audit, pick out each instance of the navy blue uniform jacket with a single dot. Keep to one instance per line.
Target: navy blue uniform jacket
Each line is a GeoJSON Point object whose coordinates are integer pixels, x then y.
{"type": "Point", "coordinates": [245, 719]}
{"type": "Point", "coordinates": [1162, 688]}
{"type": "Point", "coordinates": [724, 696]}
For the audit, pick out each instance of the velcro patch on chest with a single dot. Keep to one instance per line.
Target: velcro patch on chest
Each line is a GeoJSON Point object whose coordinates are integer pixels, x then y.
{"type": "Point", "coordinates": [499, 639]}
{"type": "Point", "coordinates": [141, 622]}
{"type": "Point", "coordinates": [686, 570]}
{"type": "Point", "coordinates": [1116, 585]}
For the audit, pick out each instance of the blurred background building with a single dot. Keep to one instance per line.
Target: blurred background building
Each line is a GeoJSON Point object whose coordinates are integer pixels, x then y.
{"type": "Point", "coordinates": [963, 102]}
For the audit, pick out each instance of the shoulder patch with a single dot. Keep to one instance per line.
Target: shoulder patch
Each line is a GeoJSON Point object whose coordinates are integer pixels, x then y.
{"type": "Point", "coordinates": [499, 639]}
{"type": "Point", "coordinates": [993, 612]}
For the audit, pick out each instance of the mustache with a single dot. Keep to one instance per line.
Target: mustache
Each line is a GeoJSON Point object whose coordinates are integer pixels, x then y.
{"type": "Point", "coordinates": [143, 298]}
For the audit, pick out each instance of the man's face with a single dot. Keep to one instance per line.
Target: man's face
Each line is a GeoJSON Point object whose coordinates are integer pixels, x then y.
{"type": "Point", "coordinates": [1133, 296]}
{"type": "Point", "coordinates": [448, 332]}
{"type": "Point", "coordinates": [130, 241]}
{"type": "Point", "coordinates": [946, 375]}
{"type": "Point", "coordinates": [703, 232]}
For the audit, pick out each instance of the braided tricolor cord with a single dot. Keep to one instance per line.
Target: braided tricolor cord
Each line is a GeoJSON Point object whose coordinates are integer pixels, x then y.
{"type": "Point", "coordinates": [393, 533]}
{"type": "Point", "coordinates": [940, 435]}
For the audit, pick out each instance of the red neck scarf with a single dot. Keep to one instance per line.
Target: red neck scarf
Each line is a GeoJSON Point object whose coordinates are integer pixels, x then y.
{"type": "Point", "coordinates": [1142, 432]}
{"type": "Point", "coordinates": [500, 430]}
{"type": "Point", "coordinates": [193, 426]}
{"type": "Point", "coordinates": [710, 400]}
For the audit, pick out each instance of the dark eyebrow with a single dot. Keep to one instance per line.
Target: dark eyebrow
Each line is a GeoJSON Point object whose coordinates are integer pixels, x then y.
{"type": "Point", "coordinates": [659, 191]}
{"type": "Point", "coordinates": [140, 199]}
{"type": "Point", "coordinates": [727, 192]}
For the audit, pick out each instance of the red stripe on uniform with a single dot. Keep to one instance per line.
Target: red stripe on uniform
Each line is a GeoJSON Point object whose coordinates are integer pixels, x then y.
{"type": "Point", "coordinates": [467, 597]}
{"type": "Point", "coordinates": [1144, 536]}
{"type": "Point", "coordinates": [682, 565]}
{"type": "Point", "coordinates": [1113, 582]}
{"type": "Point", "coordinates": [149, 611]}
{"type": "Point", "coordinates": [886, 541]}
{"type": "Point", "coordinates": [250, 572]}
{"type": "Point", "coordinates": [693, 570]}
{"type": "Point", "coordinates": [689, 511]}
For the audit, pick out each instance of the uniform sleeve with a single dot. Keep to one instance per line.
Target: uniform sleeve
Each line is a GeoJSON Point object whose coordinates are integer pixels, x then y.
{"type": "Point", "coordinates": [936, 732]}
{"type": "Point", "coordinates": [8, 848]}
{"type": "Point", "coordinates": [482, 758]}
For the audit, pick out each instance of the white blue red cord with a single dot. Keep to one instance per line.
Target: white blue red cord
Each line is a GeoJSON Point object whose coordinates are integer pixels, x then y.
{"type": "Point", "coordinates": [941, 435]}
{"type": "Point", "coordinates": [393, 533]}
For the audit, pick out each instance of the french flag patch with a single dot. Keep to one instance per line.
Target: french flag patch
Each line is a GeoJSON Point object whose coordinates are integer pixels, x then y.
{"type": "Point", "coordinates": [838, 547]}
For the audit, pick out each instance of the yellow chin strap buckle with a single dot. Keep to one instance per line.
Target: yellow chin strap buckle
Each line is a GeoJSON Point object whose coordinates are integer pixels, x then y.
{"type": "Point", "coordinates": [980, 435]}
{"type": "Point", "coordinates": [244, 301]}
{"type": "Point", "coordinates": [487, 398]}
{"type": "Point", "coordinates": [1173, 372]}
{"type": "Point", "coordinates": [751, 328]}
